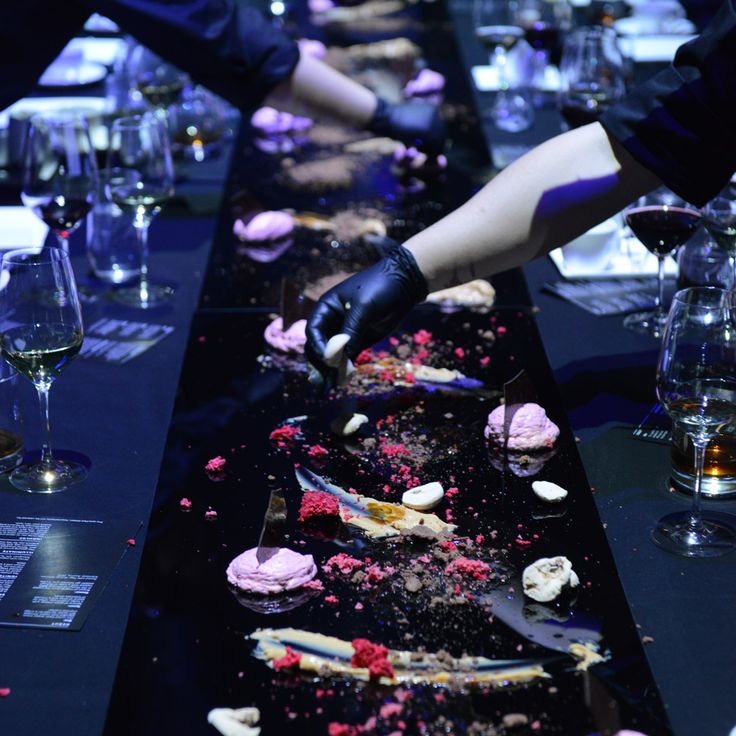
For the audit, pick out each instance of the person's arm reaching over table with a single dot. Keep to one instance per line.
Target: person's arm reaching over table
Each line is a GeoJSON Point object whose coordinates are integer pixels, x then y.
{"type": "Point", "coordinates": [676, 129]}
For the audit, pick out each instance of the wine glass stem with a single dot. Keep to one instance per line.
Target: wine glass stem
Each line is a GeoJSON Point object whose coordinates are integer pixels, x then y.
{"type": "Point", "coordinates": [141, 231]}
{"type": "Point", "coordinates": [63, 242]}
{"type": "Point", "coordinates": [699, 445]}
{"type": "Point", "coordinates": [499, 60]}
{"type": "Point", "coordinates": [659, 304]}
{"type": "Point", "coordinates": [732, 264]}
{"type": "Point", "coordinates": [43, 399]}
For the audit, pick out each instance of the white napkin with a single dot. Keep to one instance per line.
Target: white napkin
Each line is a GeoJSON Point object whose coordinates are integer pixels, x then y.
{"type": "Point", "coordinates": [20, 228]}
{"type": "Point", "coordinates": [32, 105]}
{"type": "Point", "coordinates": [652, 48]}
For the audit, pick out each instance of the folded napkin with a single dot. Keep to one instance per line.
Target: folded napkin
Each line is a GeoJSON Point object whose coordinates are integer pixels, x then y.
{"type": "Point", "coordinates": [20, 228]}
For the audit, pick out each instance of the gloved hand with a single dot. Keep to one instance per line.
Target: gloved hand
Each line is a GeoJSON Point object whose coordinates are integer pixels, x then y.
{"type": "Point", "coordinates": [366, 306]}
{"type": "Point", "coordinates": [416, 124]}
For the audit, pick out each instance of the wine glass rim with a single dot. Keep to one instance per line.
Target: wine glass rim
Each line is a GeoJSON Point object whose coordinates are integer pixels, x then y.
{"type": "Point", "coordinates": [135, 121]}
{"type": "Point", "coordinates": [693, 294]}
{"type": "Point", "coordinates": [43, 254]}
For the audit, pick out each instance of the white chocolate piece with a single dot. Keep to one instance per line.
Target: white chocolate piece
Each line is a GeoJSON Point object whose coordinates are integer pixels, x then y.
{"type": "Point", "coordinates": [423, 497]}
{"type": "Point", "coordinates": [545, 579]}
{"type": "Point", "coordinates": [347, 424]}
{"type": "Point", "coordinates": [334, 349]}
{"type": "Point", "coordinates": [434, 375]}
{"type": "Point", "coordinates": [235, 722]}
{"type": "Point", "coordinates": [548, 491]}
{"type": "Point", "coordinates": [477, 293]}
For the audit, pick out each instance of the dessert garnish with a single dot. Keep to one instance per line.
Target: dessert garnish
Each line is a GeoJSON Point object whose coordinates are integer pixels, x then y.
{"type": "Point", "coordinates": [530, 428]}
{"type": "Point", "coordinates": [328, 656]}
{"type": "Point", "coordinates": [378, 519]}
{"type": "Point", "coordinates": [548, 491]}
{"type": "Point", "coordinates": [235, 721]}
{"type": "Point", "coordinates": [476, 293]}
{"type": "Point", "coordinates": [283, 571]}
{"type": "Point", "coordinates": [547, 578]}
{"type": "Point", "coordinates": [423, 497]}
{"type": "Point", "coordinates": [347, 424]}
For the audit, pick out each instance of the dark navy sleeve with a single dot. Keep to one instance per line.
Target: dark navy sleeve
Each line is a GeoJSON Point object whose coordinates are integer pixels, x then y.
{"type": "Point", "coordinates": [229, 47]}
{"type": "Point", "coordinates": [32, 34]}
{"type": "Point", "coordinates": [681, 124]}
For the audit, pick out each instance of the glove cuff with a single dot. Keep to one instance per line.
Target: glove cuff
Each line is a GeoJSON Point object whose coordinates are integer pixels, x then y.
{"type": "Point", "coordinates": [415, 282]}
{"type": "Point", "coordinates": [380, 121]}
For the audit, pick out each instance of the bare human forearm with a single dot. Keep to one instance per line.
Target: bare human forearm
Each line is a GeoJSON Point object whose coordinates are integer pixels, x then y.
{"type": "Point", "coordinates": [320, 86]}
{"type": "Point", "coordinates": [551, 195]}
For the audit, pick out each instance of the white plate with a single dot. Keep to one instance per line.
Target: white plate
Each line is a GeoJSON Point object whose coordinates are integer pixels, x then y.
{"type": "Point", "coordinates": [652, 48]}
{"type": "Point", "coordinates": [64, 74]}
{"type": "Point", "coordinates": [32, 105]}
{"type": "Point", "coordinates": [104, 51]}
{"type": "Point", "coordinates": [485, 79]}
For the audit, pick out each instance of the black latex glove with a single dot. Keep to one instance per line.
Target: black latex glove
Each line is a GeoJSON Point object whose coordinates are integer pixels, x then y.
{"type": "Point", "coordinates": [366, 306]}
{"type": "Point", "coordinates": [415, 124]}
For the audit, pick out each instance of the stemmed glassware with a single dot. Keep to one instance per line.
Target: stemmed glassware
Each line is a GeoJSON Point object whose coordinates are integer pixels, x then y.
{"type": "Point", "coordinates": [719, 218]}
{"type": "Point", "coordinates": [662, 221]}
{"type": "Point", "coordinates": [41, 331]}
{"type": "Point", "coordinates": [140, 156]}
{"type": "Point", "coordinates": [159, 82]}
{"type": "Point", "coordinates": [696, 383]}
{"type": "Point", "coordinates": [592, 75]}
{"type": "Point", "coordinates": [496, 27]}
{"type": "Point", "coordinates": [59, 172]}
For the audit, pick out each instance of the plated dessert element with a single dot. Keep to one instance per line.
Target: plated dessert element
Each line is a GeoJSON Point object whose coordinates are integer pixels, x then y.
{"type": "Point", "coordinates": [335, 357]}
{"type": "Point", "coordinates": [412, 161]}
{"type": "Point", "coordinates": [265, 226]}
{"type": "Point", "coordinates": [270, 121]}
{"type": "Point", "coordinates": [530, 428]}
{"type": "Point", "coordinates": [378, 146]}
{"type": "Point", "coordinates": [328, 656]}
{"type": "Point", "coordinates": [283, 571]}
{"type": "Point", "coordinates": [548, 577]}
{"type": "Point", "coordinates": [377, 519]}
{"type": "Point", "coordinates": [365, 11]}
{"type": "Point", "coordinates": [427, 82]}
{"type": "Point", "coordinates": [235, 721]}
{"type": "Point", "coordinates": [389, 50]}
{"type": "Point", "coordinates": [548, 491]}
{"type": "Point", "coordinates": [586, 653]}
{"type": "Point", "coordinates": [336, 172]}
{"type": "Point", "coordinates": [424, 497]}
{"type": "Point", "coordinates": [347, 424]}
{"type": "Point", "coordinates": [476, 293]}
{"type": "Point", "coordinates": [291, 340]}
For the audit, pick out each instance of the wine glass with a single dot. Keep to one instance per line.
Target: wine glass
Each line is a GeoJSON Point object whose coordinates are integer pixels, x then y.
{"type": "Point", "coordinates": [662, 221]}
{"type": "Point", "coordinates": [140, 154]}
{"type": "Point", "coordinates": [159, 82]}
{"type": "Point", "coordinates": [592, 75]}
{"type": "Point", "coordinates": [59, 172]}
{"type": "Point", "coordinates": [41, 331]}
{"type": "Point", "coordinates": [197, 124]}
{"type": "Point", "coordinates": [495, 26]}
{"type": "Point", "coordinates": [696, 383]}
{"type": "Point", "coordinates": [544, 23]}
{"type": "Point", "coordinates": [719, 218]}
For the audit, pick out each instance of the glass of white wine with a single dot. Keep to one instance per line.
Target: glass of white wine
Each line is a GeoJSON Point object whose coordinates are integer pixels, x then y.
{"type": "Point", "coordinates": [696, 383]}
{"type": "Point", "coordinates": [140, 154]}
{"type": "Point", "coordinates": [40, 332]}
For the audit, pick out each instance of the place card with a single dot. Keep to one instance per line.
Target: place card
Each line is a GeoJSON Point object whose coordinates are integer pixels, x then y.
{"type": "Point", "coordinates": [121, 340]}
{"type": "Point", "coordinates": [52, 569]}
{"type": "Point", "coordinates": [655, 427]}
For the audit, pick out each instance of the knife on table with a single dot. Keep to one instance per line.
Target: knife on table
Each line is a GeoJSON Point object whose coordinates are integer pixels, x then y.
{"type": "Point", "coordinates": [274, 527]}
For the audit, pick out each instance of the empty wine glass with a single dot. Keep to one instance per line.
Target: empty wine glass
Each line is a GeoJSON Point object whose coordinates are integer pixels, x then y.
{"type": "Point", "coordinates": [719, 218]}
{"type": "Point", "coordinates": [592, 75]}
{"type": "Point", "coordinates": [41, 331]}
{"type": "Point", "coordinates": [496, 27]}
{"type": "Point", "coordinates": [662, 221]}
{"type": "Point", "coordinates": [59, 172]}
{"type": "Point", "coordinates": [140, 154]}
{"type": "Point", "coordinates": [696, 383]}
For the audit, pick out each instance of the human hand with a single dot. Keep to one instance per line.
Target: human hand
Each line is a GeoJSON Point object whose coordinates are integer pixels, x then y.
{"type": "Point", "coordinates": [417, 124]}
{"type": "Point", "coordinates": [367, 307]}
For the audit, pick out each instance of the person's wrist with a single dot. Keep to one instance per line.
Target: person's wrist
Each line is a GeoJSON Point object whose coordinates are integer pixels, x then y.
{"type": "Point", "coordinates": [415, 281]}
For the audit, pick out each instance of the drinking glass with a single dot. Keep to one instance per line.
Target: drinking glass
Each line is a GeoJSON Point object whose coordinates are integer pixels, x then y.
{"type": "Point", "coordinates": [59, 172]}
{"type": "Point", "coordinates": [719, 218]}
{"type": "Point", "coordinates": [544, 24]}
{"type": "Point", "coordinates": [696, 383]}
{"type": "Point", "coordinates": [592, 75]}
{"type": "Point", "coordinates": [495, 25]}
{"type": "Point", "coordinates": [140, 153]}
{"type": "Point", "coordinates": [159, 82]}
{"type": "Point", "coordinates": [662, 221]}
{"type": "Point", "coordinates": [40, 332]}
{"type": "Point", "coordinates": [197, 124]}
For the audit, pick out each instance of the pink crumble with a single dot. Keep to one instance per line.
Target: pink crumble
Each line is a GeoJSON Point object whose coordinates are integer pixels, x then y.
{"type": "Point", "coordinates": [215, 465]}
{"type": "Point", "coordinates": [333, 600]}
{"type": "Point", "coordinates": [318, 503]}
{"type": "Point", "coordinates": [476, 569]}
{"type": "Point", "coordinates": [314, 585]}
{"type": "Point", "coordinates": [344, 563]}
{"type": "Point", "coordinates": [422, 337]}
{"type": "Point", "coordinates": [485, 360]}
{"type": "Point", "coordinates": [210, 515]}
{"type": "Point", "coordinates": [459, 353]}
{"type": "Point", "coordinates": [285, 433]}
{"type": "Point", "coordinates": [4, 692]}
{"type": "Point", "coordinates": [501, 330]}
{"type": "Point", "coordinates": [185, 504]}
{"type": "Point", "coordinates": [317, 451]}
{"type": "Point", "coordinates": [290, 660]}
{"type": "Point", "coordinates": [373, 656]}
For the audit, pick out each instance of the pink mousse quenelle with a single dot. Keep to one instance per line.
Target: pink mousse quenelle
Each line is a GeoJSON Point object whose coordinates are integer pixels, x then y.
{"type": "Point", "coordinates": [531, 428]}
{"type": "Point", "coordinates": [292, 340]}
{"type": "Point", "coordinates": [269, 225]}
{"type": "Point", "coordinates": [286, 570]}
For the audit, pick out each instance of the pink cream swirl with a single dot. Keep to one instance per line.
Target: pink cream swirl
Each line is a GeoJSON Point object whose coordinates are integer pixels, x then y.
{"type": "Point", "coordinates": [292, 340]}
{"type": "Point", "coordinates": [283, 571]}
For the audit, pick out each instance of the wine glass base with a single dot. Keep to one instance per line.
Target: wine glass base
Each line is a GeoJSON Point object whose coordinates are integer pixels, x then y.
{"type": "Point", "coordinates": [134, 296]}
{"type": "Point", "coordinates": [646, 323]}
{"type": "Point", "coordinates": [716, 535]}
{"type": "Point", "coordinates": [42, 478]}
